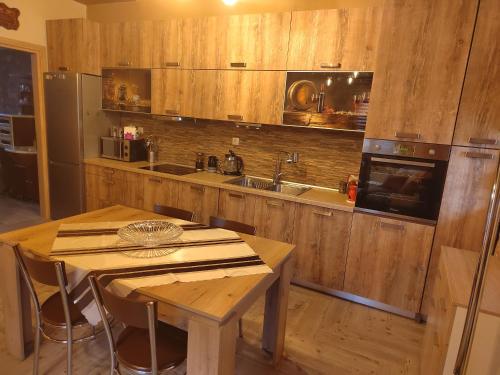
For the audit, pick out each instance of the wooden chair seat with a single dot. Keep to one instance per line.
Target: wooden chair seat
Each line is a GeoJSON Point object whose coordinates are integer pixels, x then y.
{"type": "Point", "coordinates": [53, 312]}
{"type": "Point", "coordinates": [133, 349]}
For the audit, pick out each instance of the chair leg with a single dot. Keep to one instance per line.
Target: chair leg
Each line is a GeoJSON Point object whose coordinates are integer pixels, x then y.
{"type": "Point", "coordinates": [36, 351]}
{"type": "Point", "coordinates": [240, 327]}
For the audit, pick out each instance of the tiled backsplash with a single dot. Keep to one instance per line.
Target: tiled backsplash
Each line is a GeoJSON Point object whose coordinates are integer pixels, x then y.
{"type": "Point", "coordinates": [326, 157]}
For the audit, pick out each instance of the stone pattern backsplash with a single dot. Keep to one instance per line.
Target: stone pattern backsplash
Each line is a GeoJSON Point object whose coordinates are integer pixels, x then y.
{"type": "Point", "coordinates": [326, 157]}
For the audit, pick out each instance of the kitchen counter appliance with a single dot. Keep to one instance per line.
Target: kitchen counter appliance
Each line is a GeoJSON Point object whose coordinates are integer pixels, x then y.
{"type": "Point", "coordinates": [232, 164]}
{"type": "Point", "coordinates": [123, 149]}
{"type": "Point", "coordinates": [178, 170]}
{"type": "Point", "coordinates": [402, 179]}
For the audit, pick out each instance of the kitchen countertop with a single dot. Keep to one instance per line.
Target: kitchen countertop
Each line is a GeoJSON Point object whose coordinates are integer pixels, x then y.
{"type": "Point", "coordinates": [317, 196]}
{"type": "Point", "coordinates": [460, 266]}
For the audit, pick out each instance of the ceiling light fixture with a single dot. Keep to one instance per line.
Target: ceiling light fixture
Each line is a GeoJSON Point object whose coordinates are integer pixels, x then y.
{"type": "Point", "coordinates": [230, 2]}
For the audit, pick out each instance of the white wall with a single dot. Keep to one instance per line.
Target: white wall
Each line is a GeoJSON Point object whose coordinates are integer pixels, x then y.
{"type": "Point", "coordinates": [34, 13]}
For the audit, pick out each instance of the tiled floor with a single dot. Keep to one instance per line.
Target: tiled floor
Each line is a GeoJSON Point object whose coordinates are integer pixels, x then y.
{"type": "Point", "coordinates": [15, 214]}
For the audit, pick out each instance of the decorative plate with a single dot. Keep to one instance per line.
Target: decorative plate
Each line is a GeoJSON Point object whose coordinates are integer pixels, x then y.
{"type": "Point", "coordinates": [150, 234]}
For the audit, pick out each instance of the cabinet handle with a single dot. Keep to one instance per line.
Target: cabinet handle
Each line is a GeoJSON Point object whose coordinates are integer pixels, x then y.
{"type": "Point", "coordinates": [482, 141]}
{"type": "Point", "coordinates": [330, 65]}
{"type": "Point", "coordinates": [109, 182]}
{"type": "Point", "coordinates": [200, 189]}
{"type": "Point", "coordinates": [275, 204]}
{"type": "Point", "coordinates": [235, 117]}
{"type": "Point", "coordinates": [238, 196]}
{"type": "Point", "coordinates": [109, 170]}
{"type": "Point", "coordinates": [171, 64]}
{"type": "Point", "coordinates": [407, 135]}
{"type": "Point", "coordinates": [322, 213]}
{"type": "Point", "coordinates": [124, 63]}
{"type": "Point", "coordinates": [155, 180]}
{"type": "Point", "coordinates": [478, 155]}
{"type": "Point", "coordinates": [171, 112]}
{"type": "Point", "coordinates": [63, 68]}
{"type": "Point", "coordinates": [238, 65]}
{"type": "Point", "coordinates": [386, 225]}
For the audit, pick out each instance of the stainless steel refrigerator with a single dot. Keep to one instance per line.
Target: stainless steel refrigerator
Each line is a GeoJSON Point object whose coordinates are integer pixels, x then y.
{"type": "Point", "coordinates": [75, 123]}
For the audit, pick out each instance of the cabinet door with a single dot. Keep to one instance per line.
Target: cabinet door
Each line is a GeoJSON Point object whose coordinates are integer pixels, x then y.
{"type": "Point", "coordinates": [387, 260]}
{"type": "Point", "coordinates": [202, 200]}
{"type": "Point", "coordinates": [478, 116]}
{"type": "Point", "coordinates": [127, 44]}
{"type": "Point", "coordinates": [322, 239]}
{"type": "Point", "coordinates": [420, 68]}
{"type": "Point", "coordinates": [166, 89]}
{"type": "Point", "coordinates": [200, 93]}
{"type": "Point", "coordinates": [251, 96]}
{"type": "Point", "coordinates": [133, 190]}
{"type": "Point", "coordinates": [167, 43]}
{"type": "Point", "coordinates": [343, 39]}
{"type": "Point", "coordinates": [237, 206]}
{"type": "Point", "coordinates": [160, 191]}
{"type": "Point", "coordinates": [274, 219]}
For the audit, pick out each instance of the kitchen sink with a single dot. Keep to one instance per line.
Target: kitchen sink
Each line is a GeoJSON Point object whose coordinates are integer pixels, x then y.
{"type": "Point", "coordinates": [289, 188]}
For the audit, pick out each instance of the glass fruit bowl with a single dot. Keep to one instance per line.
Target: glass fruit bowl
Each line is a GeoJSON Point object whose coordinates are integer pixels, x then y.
{"type": "Point", "coordinates": [150, 233]}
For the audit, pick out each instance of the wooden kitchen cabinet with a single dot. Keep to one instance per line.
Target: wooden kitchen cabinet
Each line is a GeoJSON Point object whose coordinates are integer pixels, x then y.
{"type": "Point", "coordinates": [274, 219]}
{"type": "Point", "coordinates": [199, 93]}
{"type": "Point", "coordinates": [247, 41]}
{"type": "Point", "coordinates": [478, 121]}
{"type": "Point", "coordinates": [322, 239]}
{"type": "Point", "coordinates": [387, 260]}
{"type": "Point", "coordinates": [344, 39]}
{"type": "Point", "coordinates": [127, 44]}
{"type": "Point", "coordinates": [202, 200]}
{"type": "Point", "coordinates": [104, 187]}
{"type": "Point", "coordinates": [237, 206]}
{"type": "Point", "coordinates": [166, 91]}
{"type": "Point", "coordinates": [159, 190]}
{"type": "Point", "coordinates": [73, 45]}
{"type": "Point", "coordinates": [420, 68]}
{"type": "Point", "coordinates": [133, 190]}
{"type": "Point", "coordinates": [167, 43]}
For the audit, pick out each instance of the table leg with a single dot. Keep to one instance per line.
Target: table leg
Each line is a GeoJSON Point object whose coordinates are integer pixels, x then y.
{"type": "Point", "coordinates": [273, 336]}
{"type": "Point", "coordinates": [16, 305]}
{"type": "Point", "coordinates": [211, 347]}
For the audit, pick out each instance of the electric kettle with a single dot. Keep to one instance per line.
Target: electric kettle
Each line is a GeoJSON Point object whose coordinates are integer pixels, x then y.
{"type": "Point", "coordinates": [232, 164]}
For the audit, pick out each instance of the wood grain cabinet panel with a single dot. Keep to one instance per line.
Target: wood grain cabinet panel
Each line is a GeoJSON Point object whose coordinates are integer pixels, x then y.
{"type": "Point", "coordinates": [478, 121]}
{"type": "Point", "coordinates": [420, 68]}
{"type": "Point", "coordinates": [249, 41]}
{"type": "Point", "coordinates": [387, 260]}
{"type": "Point", "coordinates": [274, 219]}
{"type": "Point", "coordinates": [160, 191]}
{"type": "Point", "coordinates": [202, 200]}
{"type": "Point", "coordinates": [127, 44]}
{"type": "Point", "coordinates": [237, 206]}
{"type": "Point", "coordinates": [104, 188]}
{"type": "Point", "coordinates": [133, 190]}
{"type": "Point", "coordinates": [74, 45]}
{"type": "Point", "coordinates": [200, 93]}
{"type": "Point", "coordinates": [167, 43]}
{"type": "Point", "coordinates": [343, 39]}
{"type": "Point", "coordinates": [166, 91]}
{"type": "Point", "coordinates": [322, 239]}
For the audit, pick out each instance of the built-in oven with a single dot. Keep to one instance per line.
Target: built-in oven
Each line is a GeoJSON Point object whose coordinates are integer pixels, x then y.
{"type": "Point", "coordinates": [402, 179]}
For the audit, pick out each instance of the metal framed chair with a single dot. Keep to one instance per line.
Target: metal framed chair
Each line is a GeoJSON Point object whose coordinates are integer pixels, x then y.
{"type": "Point", "coordinates": [58, 318]}
{"type": "Point", "coordinates": [174, 212]}
{"type": "Point", "coordinates": [219, 222]}
{"type": "Point", "coordinates": [145, 346]}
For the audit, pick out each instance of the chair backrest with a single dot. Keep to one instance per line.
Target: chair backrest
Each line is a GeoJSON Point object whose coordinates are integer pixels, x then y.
{"type": "Point", "coordinates": [131, 313]}
{"type": "Point", "coordinates": [236, 226]}
{"type": "Point", "coordinates": [174, 212]}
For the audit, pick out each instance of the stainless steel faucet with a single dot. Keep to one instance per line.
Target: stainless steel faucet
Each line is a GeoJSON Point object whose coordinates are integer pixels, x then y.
{"type": "Point", "coordinates": [291, 157]}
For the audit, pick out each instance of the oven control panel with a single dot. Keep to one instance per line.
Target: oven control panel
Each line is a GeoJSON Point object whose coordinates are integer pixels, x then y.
{"type": "Point", "coordinates": [407, 149]}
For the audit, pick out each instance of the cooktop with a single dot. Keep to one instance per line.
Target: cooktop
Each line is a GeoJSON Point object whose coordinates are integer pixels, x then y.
{"type": "Point", "coordinates": [178, 170]}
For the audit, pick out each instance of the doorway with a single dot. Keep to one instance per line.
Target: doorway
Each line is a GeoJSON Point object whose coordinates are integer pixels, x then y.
{"type": "Point", "coordinates": [23, 165]}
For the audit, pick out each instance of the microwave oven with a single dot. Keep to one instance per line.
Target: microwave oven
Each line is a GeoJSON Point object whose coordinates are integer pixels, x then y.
{"type": "Point", "coordinates": [123, 149]}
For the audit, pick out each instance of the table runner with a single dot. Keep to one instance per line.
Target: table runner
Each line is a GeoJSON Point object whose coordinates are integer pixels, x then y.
{"type": "Point", "coordinates": [94, 248]}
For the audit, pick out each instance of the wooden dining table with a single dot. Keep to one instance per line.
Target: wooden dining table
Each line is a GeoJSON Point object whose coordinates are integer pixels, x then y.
{"type": "Point", "coordinates": [208, 310]}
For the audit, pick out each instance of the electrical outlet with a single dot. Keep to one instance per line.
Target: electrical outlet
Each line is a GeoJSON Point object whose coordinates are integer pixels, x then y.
{"type": "Point", "coordinates": [236, 141]}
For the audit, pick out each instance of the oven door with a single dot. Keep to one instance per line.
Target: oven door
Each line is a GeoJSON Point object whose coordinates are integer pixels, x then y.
{"type": "Point", "coordinates": [112, 148]}
{"type": "Point", "coordinates": [401, 187]}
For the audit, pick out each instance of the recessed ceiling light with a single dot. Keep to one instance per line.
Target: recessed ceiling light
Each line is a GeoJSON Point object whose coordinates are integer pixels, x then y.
{"type": "Point", "coordinates": [229, 2]}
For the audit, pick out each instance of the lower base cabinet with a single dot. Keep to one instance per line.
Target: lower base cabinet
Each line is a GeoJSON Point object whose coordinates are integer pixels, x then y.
{"type": "Point", "coordinates": [388, 260]}
{"type": "Point", "coordinates": [104, 187]}
{"type": "Point", "coordinates": [237, 206]}
{"type": "Point", "coordinates": [322, 239]}
{"type": "Point", "coordinates": [159, 191]}
{"type": "Point", "coordinates": [202, 200]}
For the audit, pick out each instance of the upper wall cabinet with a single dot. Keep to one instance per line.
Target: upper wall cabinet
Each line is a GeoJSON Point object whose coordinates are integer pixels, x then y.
{"type": "Point", "coordinates": [127, 44]}
{"type": "Point", "coordinates": [250, 41]}
{"type": "Point", "coordinates": [167, 43]}
{"type": "Point", "coordinates": [334, 39]}
{"type": "Point", "coordinates": [420, 68]}
{"type": "Point", "coordinates": [73, 44]}
{"type": "Point", "coordinates": [478, 121]}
